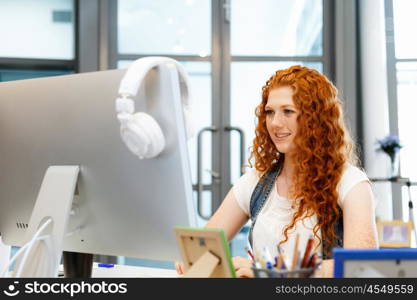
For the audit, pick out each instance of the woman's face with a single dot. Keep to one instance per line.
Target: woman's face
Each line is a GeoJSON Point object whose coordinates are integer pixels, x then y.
{"type": "Point", "coordinates": [281, 118]}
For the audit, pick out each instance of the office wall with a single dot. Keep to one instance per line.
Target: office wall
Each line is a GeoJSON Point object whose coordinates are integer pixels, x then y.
{"type": "Point", "coordinates": [375, 98]}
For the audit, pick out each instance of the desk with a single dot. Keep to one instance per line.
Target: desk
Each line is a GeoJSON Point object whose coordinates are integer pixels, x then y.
{"type": "Point", "coordinates": [132, 271]}
{"type": "Point", "coordinates": [120, 271]}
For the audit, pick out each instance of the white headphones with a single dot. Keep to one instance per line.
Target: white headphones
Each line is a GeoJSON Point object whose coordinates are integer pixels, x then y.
{"type": "Point", "coordinates": [140, 132]}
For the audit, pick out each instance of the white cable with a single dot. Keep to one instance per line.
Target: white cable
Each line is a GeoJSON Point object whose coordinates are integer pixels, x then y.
{"type": "Point", "coordinates": [18, 253]}
{"type": "Point", "coordinates": [51, 263]}
{"type": "Point", "coordinates": [22, 249]}
{"type": "Point", "coordinates": [31, 243]}
{"type": "Point", "coordinates": [51, 266]}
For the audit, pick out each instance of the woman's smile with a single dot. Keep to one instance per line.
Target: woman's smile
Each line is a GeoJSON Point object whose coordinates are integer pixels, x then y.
{"type": "Point", "coordinates": [280, 137]}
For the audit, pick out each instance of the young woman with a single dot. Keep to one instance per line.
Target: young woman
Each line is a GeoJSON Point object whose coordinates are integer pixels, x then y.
{"type": "Point", "coordinates": [305, 181]}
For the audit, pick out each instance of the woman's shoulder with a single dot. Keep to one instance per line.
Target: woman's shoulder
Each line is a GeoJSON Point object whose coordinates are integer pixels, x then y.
{"type": "Point", "coordinates": [253, 173]}
{"type": "Point", "coordinates": [351, 176]}
{"type": "Point", "coordinates": [244, 187]}
{"type": "Point", "coordinates": [249, 178]}
{"type": "Point", "coordinates": [351, 172]}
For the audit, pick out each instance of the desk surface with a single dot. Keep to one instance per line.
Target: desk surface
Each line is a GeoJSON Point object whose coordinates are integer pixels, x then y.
{"type": "Point", "coordinates": [132, 271]}
{"type": "Point", "coordinates": [120, 271]}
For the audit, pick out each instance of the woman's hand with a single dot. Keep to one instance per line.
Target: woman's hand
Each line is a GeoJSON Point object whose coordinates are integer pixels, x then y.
{"type": "Point", "coordinates": [243, 267]}
{"type": "Point", "coordinates": [179, 267]}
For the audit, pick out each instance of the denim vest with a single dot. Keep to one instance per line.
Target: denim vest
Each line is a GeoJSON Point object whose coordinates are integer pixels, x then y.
{"type": "Point", "coordinates": [261, 194]}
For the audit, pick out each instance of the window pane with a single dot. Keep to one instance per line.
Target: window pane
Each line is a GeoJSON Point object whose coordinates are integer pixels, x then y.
{"type": "Point", "coordinates": [37, 29]}
{"type": "Point", "coordinates": [9, 75]}
{"type": "Point", "coordinates": [200, 81]}
{"type": "Point", "coordinates": [240, 242]}
{"type": "Point", "coordinates": [206, 208]}
{"type": "Point", "coordinates": [246, 91]}
{"type": "Point", "coordinates": [164, 27]}
{"type": "Point", "coordinates": [277, 27]}
{"type": "Point", "coordinates": [405, 23]}
{"type": "Point", "coordinates": [407, 105]}
{"type": "Point", "coordinates": [407, 122]}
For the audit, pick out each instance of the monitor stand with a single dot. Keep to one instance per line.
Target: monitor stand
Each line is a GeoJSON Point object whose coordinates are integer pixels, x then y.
{"type": "Point", "coordinates": [54, 201]}
{"type": "Point", "coordinates": [77, 265]}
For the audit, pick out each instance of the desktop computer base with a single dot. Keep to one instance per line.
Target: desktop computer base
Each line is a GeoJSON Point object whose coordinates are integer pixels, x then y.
{"type": "Point", "coordinates": [53, 205]}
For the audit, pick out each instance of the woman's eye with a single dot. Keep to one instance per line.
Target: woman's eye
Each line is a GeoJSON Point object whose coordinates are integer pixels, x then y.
{"type": "Point", "coordinates": [288, 111]}
{"type": "Point", "coordinates": [269, 112]}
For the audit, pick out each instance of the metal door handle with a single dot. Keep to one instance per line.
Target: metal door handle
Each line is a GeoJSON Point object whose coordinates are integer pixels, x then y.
{"type": "Point", "coordinates": [199, 170]}
{"type": "Point", "coordinates": [242, 146]}
{"type": "Point", "coordinates": [215, 175]}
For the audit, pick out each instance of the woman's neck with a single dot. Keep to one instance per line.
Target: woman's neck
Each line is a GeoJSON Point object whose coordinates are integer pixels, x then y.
{"type": "Point", "coordinates": [284, 181]}
{"type": "Point", "coordinates": [288, 167]}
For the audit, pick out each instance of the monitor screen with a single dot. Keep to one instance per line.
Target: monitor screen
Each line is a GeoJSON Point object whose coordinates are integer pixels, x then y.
{"type": "Point", "coordinates": [124, 206]}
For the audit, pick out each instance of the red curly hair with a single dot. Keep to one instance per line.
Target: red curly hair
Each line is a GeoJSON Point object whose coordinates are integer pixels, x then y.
{"type": "Point", "coordinates": [323, 146]}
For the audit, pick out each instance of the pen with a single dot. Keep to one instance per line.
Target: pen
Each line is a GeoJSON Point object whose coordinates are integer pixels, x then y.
{"type": "Point", "coordinates": [307, 252]}
{"type": "Point", "coordinates": [267, 255]}
{"type": "Point", "coordinates": [280, 262]}
{"type": "Point", "coordinates": [106, 265]}
{"type": "Point", "coordinates": [312, 261]}
{"type": "Point", "coordinates": [260, 259]}
{"type": "Point", "coordinates": [295, 252]}
{"type": "Point", "coordinates": [250, 254]}
{"type": "Point", "coordinates": [279, 249]}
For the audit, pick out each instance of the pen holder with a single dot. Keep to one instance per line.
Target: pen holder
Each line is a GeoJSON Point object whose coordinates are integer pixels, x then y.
{"type": "Point", "coordinates": [273, 273]}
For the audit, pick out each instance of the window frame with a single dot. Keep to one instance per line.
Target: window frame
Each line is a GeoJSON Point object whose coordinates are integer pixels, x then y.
{"type": "Point", "coordinates": [392, 83]}
{"type": "Point", "coordinates": [221, 60]}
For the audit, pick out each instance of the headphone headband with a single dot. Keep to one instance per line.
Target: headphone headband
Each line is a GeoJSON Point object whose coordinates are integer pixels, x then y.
{"type": "Point", "coordinates": [140, 132]}
{"type": "Point", "coordinates": [138, 70]}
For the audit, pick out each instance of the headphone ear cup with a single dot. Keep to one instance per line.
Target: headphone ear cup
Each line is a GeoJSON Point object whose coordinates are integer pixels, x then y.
{"type": "Point", "coordinates": [143, 136]}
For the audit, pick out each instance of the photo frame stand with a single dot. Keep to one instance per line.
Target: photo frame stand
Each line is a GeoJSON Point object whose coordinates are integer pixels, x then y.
{"type": "Point", "coordinates": [204, 267]}
{"type": "Point", "coordinates": [205, 252]}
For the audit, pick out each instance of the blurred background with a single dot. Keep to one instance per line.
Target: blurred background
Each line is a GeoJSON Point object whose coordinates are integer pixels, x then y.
{"type": "Point", "coordinates": [230, 48]}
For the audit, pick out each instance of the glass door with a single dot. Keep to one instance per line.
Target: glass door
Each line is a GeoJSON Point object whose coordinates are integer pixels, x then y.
{"type": "Point", "coordinates": [229, 48]}
{"type": "Point", "coordinates": [265, 36]}
{"type": "Point", "coordinates": [181, 30]}
{"type": "Point", "coordinates": [402, 85]}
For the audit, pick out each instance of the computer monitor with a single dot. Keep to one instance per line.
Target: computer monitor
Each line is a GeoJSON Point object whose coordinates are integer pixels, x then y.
{"type": "Point", "coordinates": [125, 206]}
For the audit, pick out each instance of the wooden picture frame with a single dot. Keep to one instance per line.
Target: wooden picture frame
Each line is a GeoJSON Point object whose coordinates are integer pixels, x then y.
{"type": "Point", "coordinates": [394, 234]}
{"type": "Point", "coordinates": [205, 252]}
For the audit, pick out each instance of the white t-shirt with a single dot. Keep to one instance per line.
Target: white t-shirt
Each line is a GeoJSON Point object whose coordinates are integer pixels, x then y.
{"type": "Point", "coordinates": [277, 213]}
